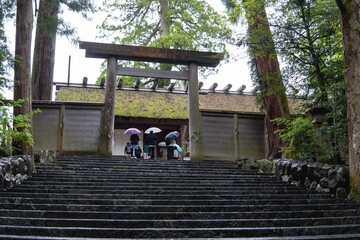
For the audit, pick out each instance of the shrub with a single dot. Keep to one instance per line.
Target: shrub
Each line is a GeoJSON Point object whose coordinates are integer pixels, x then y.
{"type": "Point", "coordinates": [14, 128]}
{"type": "Point", "coordinates": [300, 135]}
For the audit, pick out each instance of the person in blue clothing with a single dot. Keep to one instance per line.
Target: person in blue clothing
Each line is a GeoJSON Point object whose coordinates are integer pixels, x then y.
{"type": "Point", "coordinates": [127, 150]}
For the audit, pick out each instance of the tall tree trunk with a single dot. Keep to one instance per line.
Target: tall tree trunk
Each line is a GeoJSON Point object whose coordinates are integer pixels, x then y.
{"type": "Point", "coordinates": [164, 20]}
{"type": "Point", "coordinates": [44, 52]}
{"type": "Point", "coordinates": [263, 53]}
{"type": "Point", "coordinates": [22, 80]}
{"type": "Point", "coordinates": [350, 24]}
{"type": "Point", "coordinates": [164, 30]}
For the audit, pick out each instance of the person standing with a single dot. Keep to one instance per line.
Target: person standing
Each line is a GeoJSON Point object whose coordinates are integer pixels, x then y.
{"type": "Point", "coordinates": [127, 150]}
{"type": "Point", "coordinates": [170, 150]}
{"type": "Point", "coordinates": [151, 144]}
{"type": "Point", "coordinates": [134, 144]}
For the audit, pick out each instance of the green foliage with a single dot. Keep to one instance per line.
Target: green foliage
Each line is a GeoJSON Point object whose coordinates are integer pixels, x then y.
{"type": "Point", "coordinates": [6, 12]}
{"type": "Point", "coordinates": [300, 136]}
{"type": "Point", "coordinates": [308, 36]}
{"type": "Point", "coordinates": [336, 123]}
{"type": "Point", "coordinates": [194, 25]}
{"type": "Point", "coordinates": [52, 20]}
{"type": "Point", "coordinates": [187, 24]}
{"type": "Point", "coordinates": [14, 128]}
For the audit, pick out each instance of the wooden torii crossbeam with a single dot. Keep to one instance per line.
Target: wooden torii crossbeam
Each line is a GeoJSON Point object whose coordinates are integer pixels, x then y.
{"type": "Point", "coordinates": [114, 52]}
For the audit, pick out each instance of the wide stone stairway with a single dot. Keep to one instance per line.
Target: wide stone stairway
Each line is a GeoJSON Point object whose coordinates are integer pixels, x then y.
{"type": "Point", "coordinates": [94, 198]}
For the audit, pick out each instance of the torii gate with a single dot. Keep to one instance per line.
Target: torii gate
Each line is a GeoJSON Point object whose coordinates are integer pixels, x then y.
{"type": "Point", "coordinates": [114, 52]}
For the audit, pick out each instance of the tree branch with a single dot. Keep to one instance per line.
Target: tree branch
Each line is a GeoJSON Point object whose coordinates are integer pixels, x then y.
{"type": "Point", "coordinates": [155, 30]}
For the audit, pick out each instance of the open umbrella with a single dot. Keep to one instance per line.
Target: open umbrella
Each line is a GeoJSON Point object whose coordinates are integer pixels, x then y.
{"type": "Point", "coordinates": [178, 147]}
{"type": "Point", "coordinates": [162, 144]}
{"type": "Point", "coordinates": [131, 131]}
{"type": "Point", "coordinates": [171, 136]}
{"type": "Point", "coordinates": [153, 129]}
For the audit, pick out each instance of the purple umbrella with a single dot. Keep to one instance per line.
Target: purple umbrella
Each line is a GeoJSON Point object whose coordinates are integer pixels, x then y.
{"type": "Point", "coordinates": [131, 131]}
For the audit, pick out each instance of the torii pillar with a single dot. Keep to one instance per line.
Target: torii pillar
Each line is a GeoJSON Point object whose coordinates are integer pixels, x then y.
{"type": "Point", "coordinates": [195, 129]}
{"type": "Point", "coordinates": [108, 112]}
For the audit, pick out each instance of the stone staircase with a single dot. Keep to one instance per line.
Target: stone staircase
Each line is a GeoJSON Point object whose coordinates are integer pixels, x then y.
{"type": "Point", "coordinates": [94, 198]}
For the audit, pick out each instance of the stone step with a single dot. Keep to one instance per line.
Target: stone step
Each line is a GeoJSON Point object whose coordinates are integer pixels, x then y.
{"type": "Point", "coordinates": [116, 188]}
{"type": "Point", "coordinates": [177, 215]}
{"type": "Point", "coordinates": [322, 237]}
{"type": "Point", "coordinates": [120, 206]}
{"type": "Point", "coordinates": [184, 167]}
{"type": "Point", "coordinates": [181, 165]}
{"type": "Point", "coordinates": [147, 175]}
{"type": "Point", "coordinates": [115, 168]}
{"type": "Point", "coordinates": [189, 195]}
{"type": "Point", "coordinates": [217, 191]}
{"type": "Point", "coordinates": [175, 232]}
{"type": "Point", "coordinates": [148, 182]}
{"type": "Point", "coordinates": [354, 236]}
{"type": "Point", "coordinates": [186, 223]}
{"type": "Point", "coordinates": [93, 159]}
{"type": "Point", "coordinates": [150, 176]}
{"type": "Point", "coordinates": [215, 202]}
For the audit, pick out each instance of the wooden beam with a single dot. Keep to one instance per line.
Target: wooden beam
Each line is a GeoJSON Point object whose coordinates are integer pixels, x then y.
{"type": "Point", "coordinates": [227, 88]}
{"type": "Point", "coordinates": [119, 84]}
{"type": "Point", "coordinates": [213, 87]}
{"type": "Point", "coordinates": [61, 129]}
{"type": "Point", "coordinates": [154, 85]}
{"type": "Point", "coordinates": [137, 84]}
{"type": "Point", "coordinates": [236, 135]}
{"type": "Point", "coordinates": [102, 82]}
{"type": "Point", "coordinates": [151, 73]}
{"type": "Point", "coordinates": [241, 89]}
{"type": "Point", "coordinates": [150, 54]}
{"type": "Point", "coordinates": [171, 87]}
{"type": "Point", "coordinates": [201, 84]}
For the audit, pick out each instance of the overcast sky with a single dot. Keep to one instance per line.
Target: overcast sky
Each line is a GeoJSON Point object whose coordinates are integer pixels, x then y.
{"type": "Point", "coordinates": [235, 73]}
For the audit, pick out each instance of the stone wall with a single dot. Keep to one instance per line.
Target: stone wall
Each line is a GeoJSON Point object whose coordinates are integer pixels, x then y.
{"type": "Point", "coordinates": [325, 178]}
{"type": "Point", "coordinates": [14, 170]}
{"type": "Point", "coordinates": [259, 165]}
{"type": "Point", "coordinates": [45, 156]}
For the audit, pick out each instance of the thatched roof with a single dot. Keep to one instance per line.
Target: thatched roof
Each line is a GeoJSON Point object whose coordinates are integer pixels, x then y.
{"type": "Point", "coordinates": [167, 105]}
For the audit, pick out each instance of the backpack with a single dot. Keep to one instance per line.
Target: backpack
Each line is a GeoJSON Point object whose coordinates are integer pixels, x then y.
{"type": "Point", "coordinates": [128, 150]}
{"type": "Point", "coordinates": [138, 152]}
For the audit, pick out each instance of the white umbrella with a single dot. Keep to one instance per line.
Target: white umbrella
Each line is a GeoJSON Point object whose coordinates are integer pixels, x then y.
{"type": "Point", "coordinates": [153, 129]}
